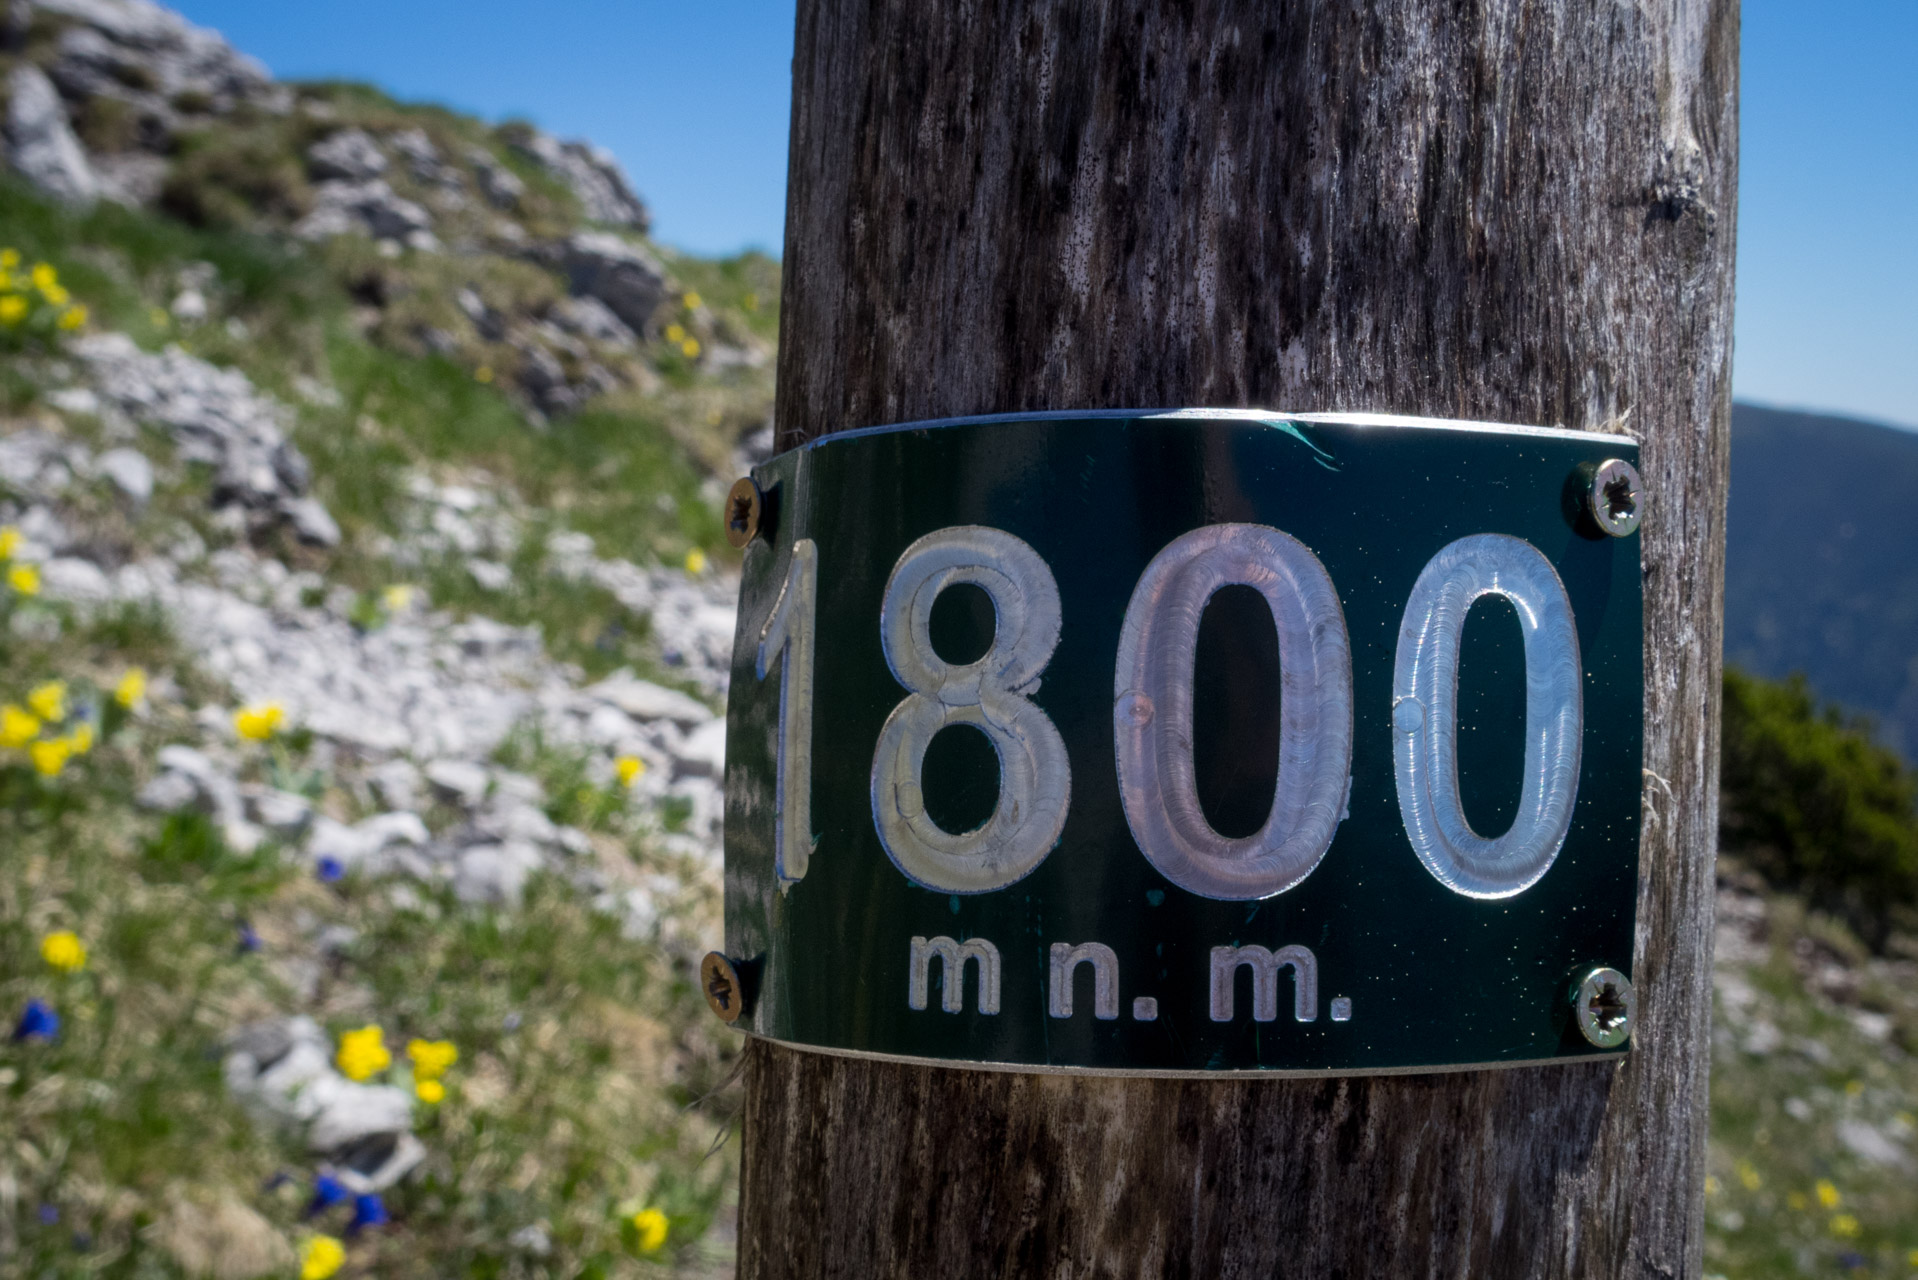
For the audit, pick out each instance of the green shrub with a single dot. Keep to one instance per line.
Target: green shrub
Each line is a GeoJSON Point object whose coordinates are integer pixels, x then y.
{"type": "Point", "coordinates": [235, 178]}
{"type": "Point", "coordinates": [1815, 804]}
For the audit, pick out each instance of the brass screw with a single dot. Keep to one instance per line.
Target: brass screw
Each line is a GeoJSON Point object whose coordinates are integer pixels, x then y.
{"type": "Point", "coordinates": [1606, 1005]}
{"type": "Point", "coordinates": [720, 982]}
{"type": "Point", "coordinates": [743, 506]}
{"type": "Point", "coordinates": [1616, 497]}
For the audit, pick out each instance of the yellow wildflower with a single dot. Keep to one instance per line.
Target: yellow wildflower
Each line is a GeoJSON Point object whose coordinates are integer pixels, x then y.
{"type": "Point", "coordinates": [1828, 1196]}
{"type": "Point", "coordinates": [396, 597]}
{"type": "Point", "coordinates": [483, 374]}
{"type": "Point", "coordinates": [132, 687]}
{"type": "Point", "coordinates": [25, 579]}
{"type": "Point", "coordinates": [9, 259]}
{"type": "Point", "coordinates": [690, 348]}
{"type": "Point", "coordinates": [1795, 1200]}
{"type": "Point", "coordinates": [1712, 1185]}
{"type": "Point", "coordinates": [695, 562]}
{"type": "Point", "coordinates": [629, 769]}
{"type": "Point", "coordinates": [1748, 1176]}
{"type": "Point", "coordinates": [1854, 1087]}
{"type": "Point", "coordinates": [81, 739]}
{"type": "Point", "coordinates": [50, 756]}
{"type": "Point", "coordinates": [431, 1058]}
{"type": "Point", "coordinates": [321, 1257]}
{"type": "Point", "coordinates": [10, 540]}
{"type": "Point", "coordinates": [675, 333]}
{"type": "Point", "coordinates": [1911, 1258]}
{"type": "Point", "coordinates": [649, 1229]}
{"type": "Point", "coordinates": [159, 318]}
{"type": "Point", "coordinates": [45, 277]}
{"type": "Point", "coordinates": [258, 723]}
{"type": "Point", "coordinates": [431, 1092]}
{"type": "Point", "coordinates": [73, 317]}
{"type": "Point", "coordinates": [64, 951]}
{"type": "Point", "coordinates": [691, 300]}
{"type": "Point", "coordinates": [49, 700]}
{"type": "Point", "coordinates": [57, 295]}
{"type": "Point", "coordinates": [13, 309]}
{"type": "Point", "coordinates": [363, 1053]}
{"type": "Point", "coordinates": [17, 728]}
{"type": "Point", "coordinates": [1845, 1225]}
{"type": "Point", "coordinates": [752, 302]}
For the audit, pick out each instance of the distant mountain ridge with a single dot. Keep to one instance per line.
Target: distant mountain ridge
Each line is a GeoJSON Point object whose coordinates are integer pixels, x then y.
{"type": "Point", "coordinates": [1822, 562]}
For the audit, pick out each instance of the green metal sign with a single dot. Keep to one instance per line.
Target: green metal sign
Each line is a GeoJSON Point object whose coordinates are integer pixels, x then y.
{"type": "Point", "coordinates": [1186, 743]}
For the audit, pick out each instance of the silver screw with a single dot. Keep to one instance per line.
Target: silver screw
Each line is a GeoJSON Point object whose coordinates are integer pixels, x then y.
{"type": "Point", "coordinates": [1616, 497]}
{"type": "Point", "coordinates": [1605, 1006]}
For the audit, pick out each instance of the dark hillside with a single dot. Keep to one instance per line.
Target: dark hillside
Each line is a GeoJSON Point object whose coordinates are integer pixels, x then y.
{"type": "Point", "coordinates": [1822, 568]}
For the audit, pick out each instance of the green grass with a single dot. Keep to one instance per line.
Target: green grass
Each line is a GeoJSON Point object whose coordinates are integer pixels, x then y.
{"type": "Point", "coordinates": [1786, 1195]}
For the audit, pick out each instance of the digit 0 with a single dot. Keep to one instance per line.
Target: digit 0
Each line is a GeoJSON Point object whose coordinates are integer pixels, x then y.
{"type": "Point", "coordinates": [993, 694]}
{"type": "Point", "coordinates": [1152, 712]}
{"type": "Point", "coordinates": [1425, 716]}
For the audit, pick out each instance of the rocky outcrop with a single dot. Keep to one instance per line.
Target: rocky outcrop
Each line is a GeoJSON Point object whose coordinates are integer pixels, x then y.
{"type": "Point", "coordinates": [370, 208]}
{"type": "Point", "coordinates": [592, 175]}
{"type": "Point", "coordinates": [618, 273]}
{"type": "Point", "coordinates": [150, 56]}
{"type": "Point", "coordinates": [350, 154]}
{"type": "Point", "coordinates": [41, 145]}
{"type": "Point", "coordinates": [123, 99]}
{"type": "Point", "coordinates": [217, 417]}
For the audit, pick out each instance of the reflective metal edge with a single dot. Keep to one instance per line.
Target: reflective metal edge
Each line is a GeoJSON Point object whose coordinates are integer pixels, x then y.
{"type": "Point", "coordinates": [1241, 1074]}
{"type": "Point", "coordinates": [1386, 420]}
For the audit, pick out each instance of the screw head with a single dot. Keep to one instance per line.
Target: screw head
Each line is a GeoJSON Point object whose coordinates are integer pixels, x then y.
{"type": "Point", "coordinates": [720, 982]}
{"type": "Point", "coordinates": [1605, 1005]}
{"type": "Point", "coordinates": [1616, 497]}
{"type": "Point", "coordinates": [743, 505]}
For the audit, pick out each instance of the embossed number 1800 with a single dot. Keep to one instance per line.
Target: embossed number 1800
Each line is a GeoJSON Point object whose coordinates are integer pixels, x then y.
{"type": "Point", "coordinates": [1152, 712]}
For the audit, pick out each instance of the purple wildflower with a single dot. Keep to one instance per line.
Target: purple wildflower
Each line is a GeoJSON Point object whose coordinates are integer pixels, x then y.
{"type": "Point", "coordinates": [368, 1211]}
{"type": "Point", "coordinates": [327, 1192]}
{"type": "Point", "coordinates": [37, 1022]}
{"type": "Point", "coordinates": [331, 869]}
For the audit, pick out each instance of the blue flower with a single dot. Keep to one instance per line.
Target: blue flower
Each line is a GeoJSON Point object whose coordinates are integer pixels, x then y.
{"type": "Point", "coordinates": [49, 1214]}
{"type": "Point", "coordinates": [249, 940]}
{"type": "Point", "coordinates": [331, 869]}
{"type": "Point", "coordinates": [38, 1022]}
{"type": "Point", "coordinates": [368, 1211]}
{"type": "Point", "coordinates": [327, 1192]}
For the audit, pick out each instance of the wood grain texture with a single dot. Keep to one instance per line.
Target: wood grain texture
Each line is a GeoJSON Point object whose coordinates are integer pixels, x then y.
{"type": "Point", "coordinates": [1507, 209]}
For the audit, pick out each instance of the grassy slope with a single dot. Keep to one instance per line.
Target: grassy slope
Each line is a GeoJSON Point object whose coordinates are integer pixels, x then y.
{"type": "Point", "coordinates": [583, 1052]}
{"type": "Point", "coordinates": [1788, 1196]}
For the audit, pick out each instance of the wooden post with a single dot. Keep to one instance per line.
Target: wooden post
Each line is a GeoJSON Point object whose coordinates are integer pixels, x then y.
{"type": "Point", "coordinates": [1517, 210]}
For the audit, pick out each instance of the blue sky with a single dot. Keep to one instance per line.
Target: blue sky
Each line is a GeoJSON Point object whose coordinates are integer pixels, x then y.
{"type": "Point", "coordinates": [693, 98]}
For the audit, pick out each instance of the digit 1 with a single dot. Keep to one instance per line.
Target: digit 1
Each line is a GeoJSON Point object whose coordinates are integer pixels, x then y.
{"type": "Point", "coordinates": [1152, 712]}
{"type": "Point", "coordinates": [790, 631]}
{"type": "Point", "coordinates": [1425, 716]}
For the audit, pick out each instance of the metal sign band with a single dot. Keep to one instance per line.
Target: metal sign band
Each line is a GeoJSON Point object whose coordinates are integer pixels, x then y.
{"type": "Point", "coordinates": [1188, 742]}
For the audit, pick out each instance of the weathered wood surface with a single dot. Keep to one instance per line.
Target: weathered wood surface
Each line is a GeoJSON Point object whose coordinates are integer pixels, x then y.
{"type": "Point", "coordinates": [1518, 210]}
